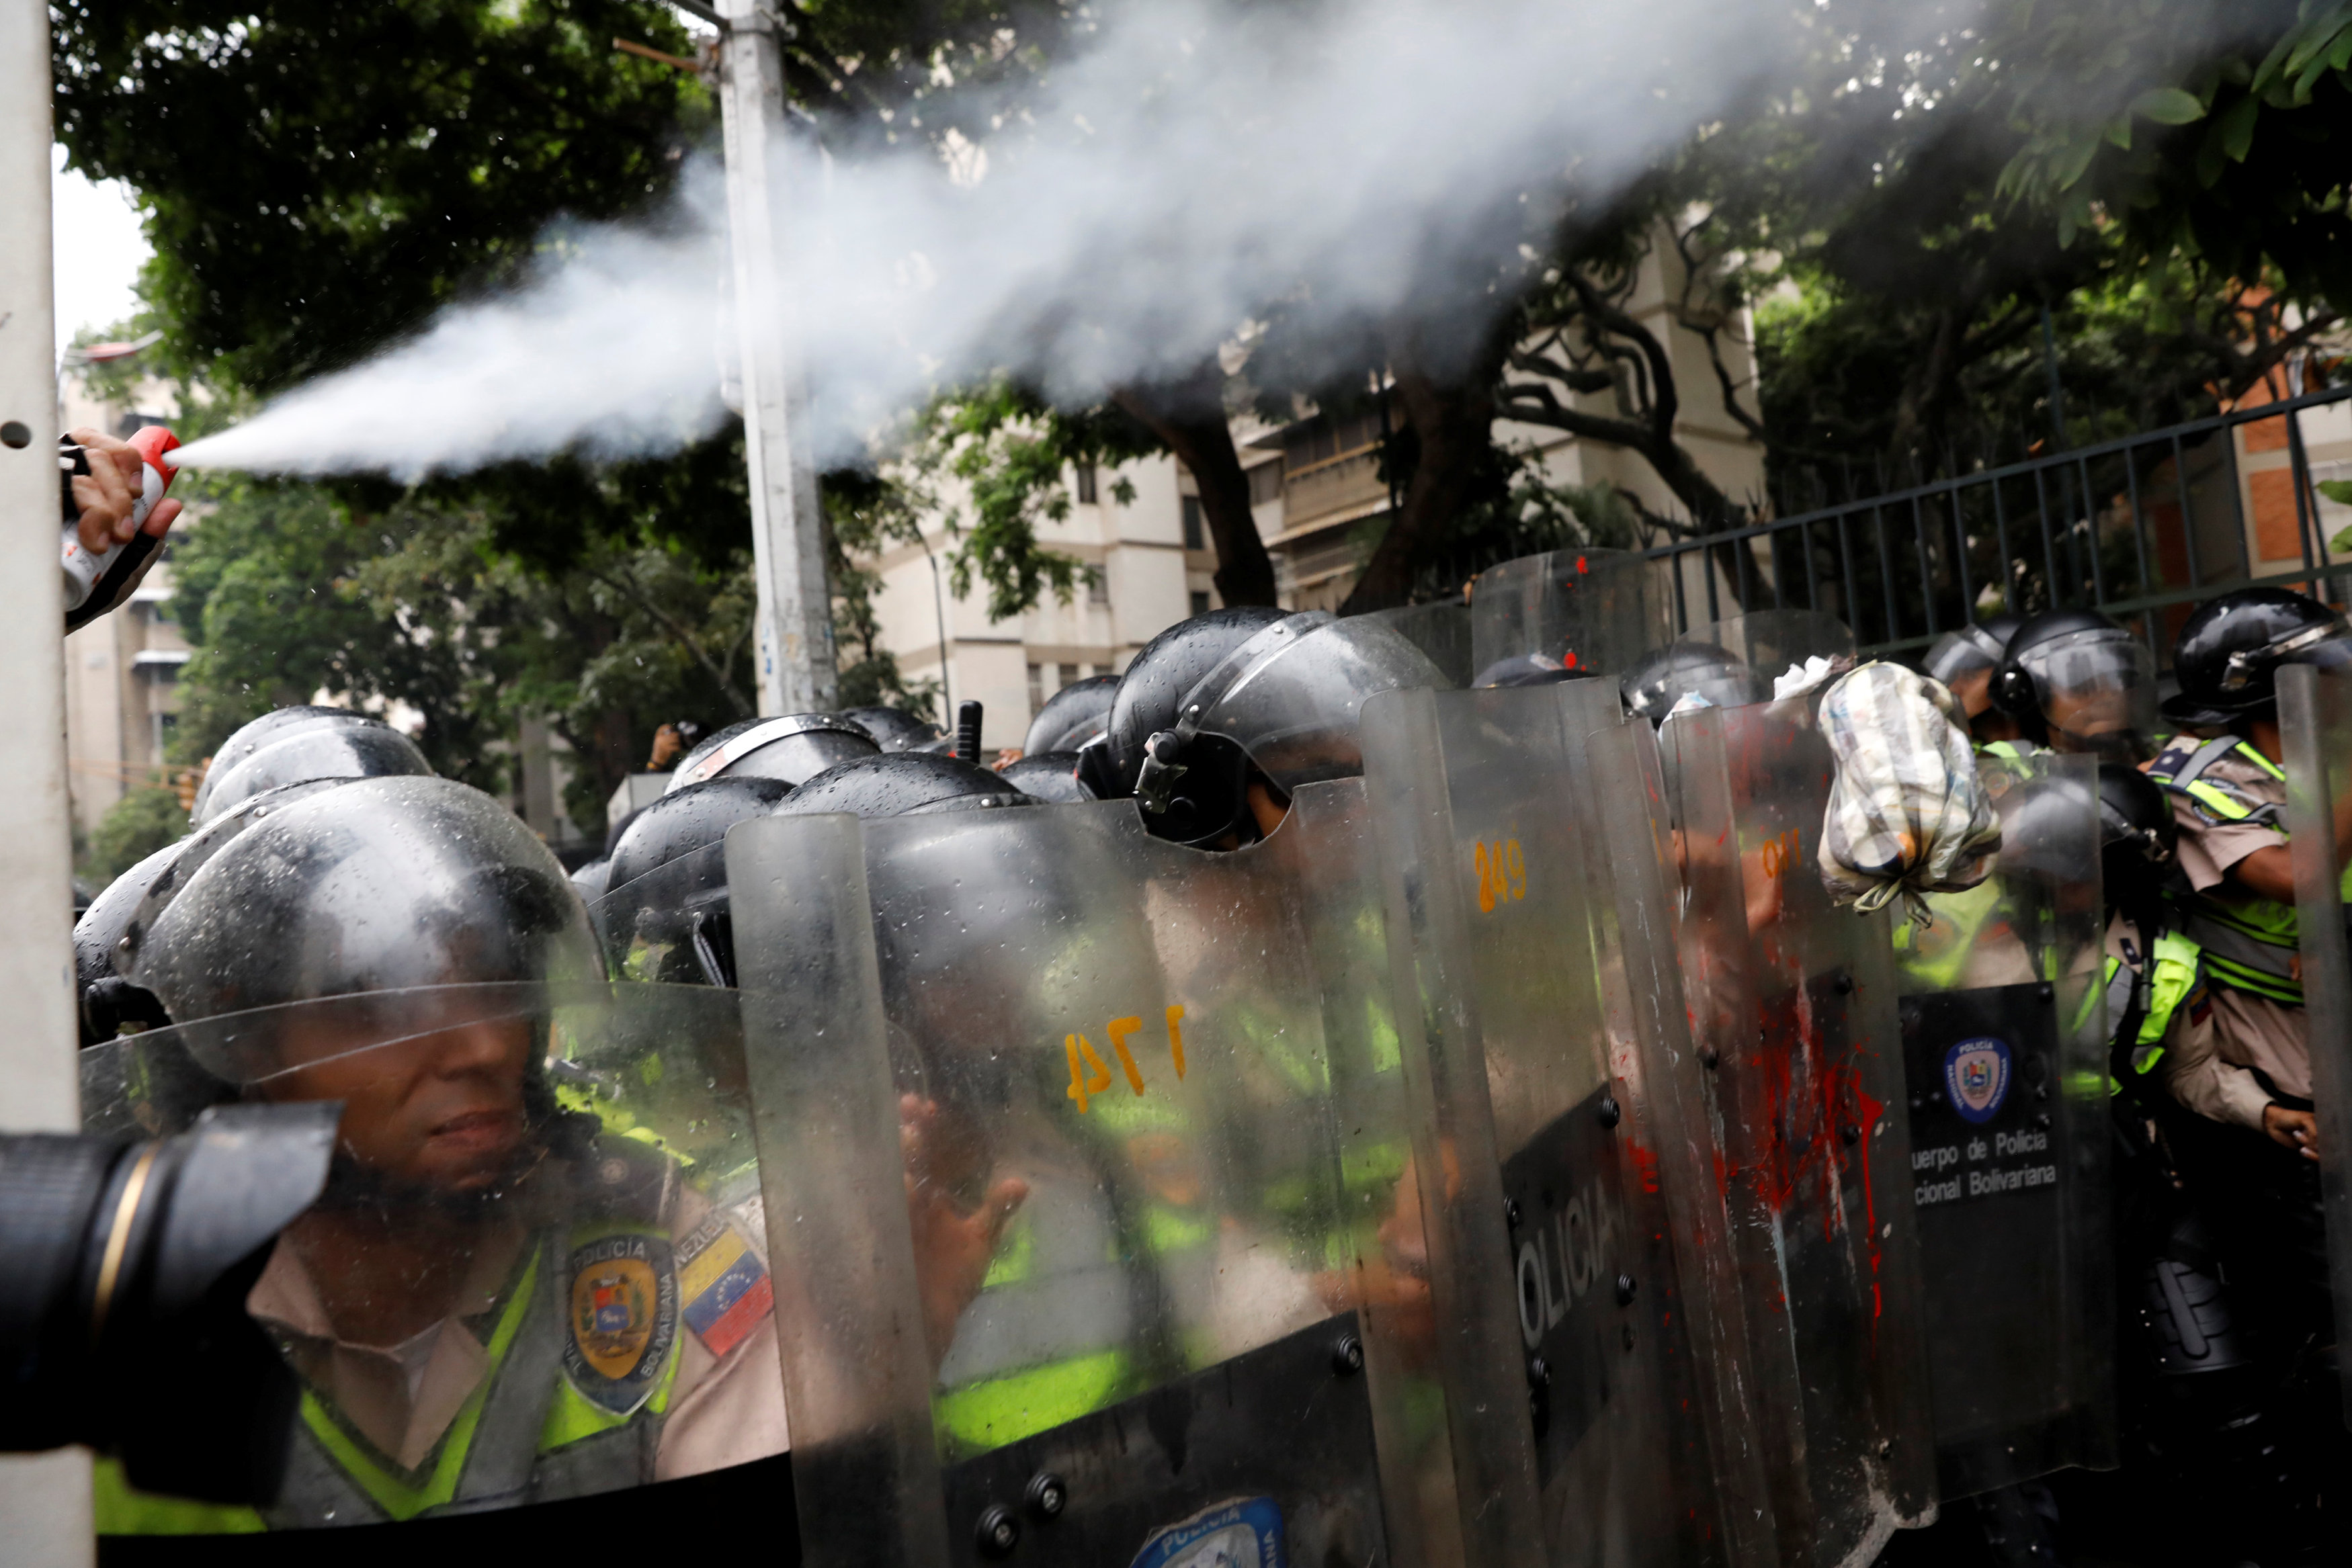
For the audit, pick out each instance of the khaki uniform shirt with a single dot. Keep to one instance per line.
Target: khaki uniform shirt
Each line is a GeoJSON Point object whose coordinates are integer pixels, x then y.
{"type": "Point", "coordinates": [2254, 1031]}
{"type": "Point", "coordinates": [402, 1399]}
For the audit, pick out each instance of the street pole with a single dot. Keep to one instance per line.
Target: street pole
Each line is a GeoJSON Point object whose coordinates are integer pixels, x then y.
{"type": "Point", "coordinates": [795, 606]}
{"type": "Point", "coordinates": [44, 1497]}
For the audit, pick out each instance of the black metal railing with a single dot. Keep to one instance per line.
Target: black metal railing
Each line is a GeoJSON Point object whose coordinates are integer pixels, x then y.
{"type": "Point", "coordinates": [2140, 527]}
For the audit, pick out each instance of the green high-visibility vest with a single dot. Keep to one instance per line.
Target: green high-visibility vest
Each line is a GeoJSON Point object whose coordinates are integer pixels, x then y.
{"type": "Point", "coordinates": [2249, 945]}
{"type": "Point", "coordinates": [2171, 976]}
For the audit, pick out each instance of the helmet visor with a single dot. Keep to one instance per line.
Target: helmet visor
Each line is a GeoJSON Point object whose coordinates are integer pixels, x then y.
{"type": "Point", "coordinates": [1300, 685]}
{"type": "Point", "coordinates": [1969, 651]}
{"type": "Point", "coordinates": [2096, 691]}
{"type": "Point", "coordinates": [2327, 646]}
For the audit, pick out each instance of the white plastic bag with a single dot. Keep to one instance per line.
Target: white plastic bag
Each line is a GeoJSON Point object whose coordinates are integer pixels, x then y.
{"type": "Point", "coordinates": [1907, 814]}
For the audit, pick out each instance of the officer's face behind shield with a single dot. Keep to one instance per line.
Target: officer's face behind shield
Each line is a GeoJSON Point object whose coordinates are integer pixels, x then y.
{"type": "Point", "coordinates": [404, 946]}
{"type": "Point", "coordinates": [2096, 693]}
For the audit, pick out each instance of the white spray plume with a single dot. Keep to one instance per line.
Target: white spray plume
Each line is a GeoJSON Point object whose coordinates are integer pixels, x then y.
{"type": "Point", "coordinates": [1192, 166]}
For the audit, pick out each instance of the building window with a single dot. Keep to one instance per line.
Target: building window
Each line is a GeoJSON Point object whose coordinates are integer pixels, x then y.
{"type": "Point", "coordinates": [1036, 688]}
{"type": "Point", "coordinates": [1265, 483]}
{"type": "Point", "coordinates": [1087, 484]}
{"type": "Point", "coordinates": [1195, 535]}
{"type": "Point", "coordinates": [1200, 602]}
{"type": "Point", "coordinates": [1098, 585]}
{"type": "Point", "coordinates": [1068, 674]}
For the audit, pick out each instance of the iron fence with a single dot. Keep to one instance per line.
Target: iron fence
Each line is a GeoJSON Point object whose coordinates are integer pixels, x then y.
{"type": "Point", "coordinates": [2140, 527]}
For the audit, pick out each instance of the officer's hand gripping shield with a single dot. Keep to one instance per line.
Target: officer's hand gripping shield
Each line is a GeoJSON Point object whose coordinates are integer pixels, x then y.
{"type": "Point", "coordinates": [2005, 1056]}
{"type": "Point", "coordinates": [1589, 1328]}
{"type": "Point", "coordinates": [1792, 1008]}
{"type": "Point", "coordinates": [1087, 1164]}
{"type": "Point", "coordinates": [2316, 723]}
{"type": "Point", "coordinates": [543, 1202]}
{"type": "Point", "coordinates": [1596, 611]}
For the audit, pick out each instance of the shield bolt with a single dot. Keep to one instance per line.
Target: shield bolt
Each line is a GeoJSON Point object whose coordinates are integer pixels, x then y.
{"type": "Point", "coordinates": [1347, 1355]}
{"type": "Point", "coordinates": [1538, 1371]}
{"type": "Point", "coordinates": [1851, 1133]}
{"type": "Point", "coordinates": [1845, 984]}
{"type": "Point", "coordinates": [1046, 1496]}
{"type": "Point", "coordinates": [1624, 1290]}
{"type": "Point", "coordinates": [998, 1531]}
{"type": "Point", "coordinates": [1710, 1058]}
{"type": "Point", "coordinates": [1511, 1212]}
{"type": "Point", "coordinates": [1610, 1112]}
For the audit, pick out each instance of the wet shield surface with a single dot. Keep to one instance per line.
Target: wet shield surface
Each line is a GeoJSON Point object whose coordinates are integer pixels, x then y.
{"type": "Point", "coordinates": [2004, 1049]}
{"type": "Point", "coordinates": [1792, 1010]}
{"type": "Point", "coordinates": [538, 1271]}
{"type": "Point", "coordinates": [1593, 611]}
{"type": "Point", "coordinates": [2316, 722]}
{"type": "Point", "coordinates": [1088, 1173]}
{"type": "Point", "coordinates": [1580, 1220]}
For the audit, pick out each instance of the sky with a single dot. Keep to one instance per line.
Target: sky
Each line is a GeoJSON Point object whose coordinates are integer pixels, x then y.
{"type": "Point", "coordinates": [98, 249]}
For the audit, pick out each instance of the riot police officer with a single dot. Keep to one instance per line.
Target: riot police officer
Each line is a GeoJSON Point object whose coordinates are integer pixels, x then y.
{"type": "Point", "coordinates": [2074, 680]}
{"type": "Point", "coordinates": [2227, 792]}
{"type": "Point", "coordinates": [496, 1301]}
{"type": "Point", "coordinates": [1964, 662]}
{"type": "Point", "coordinates": [296, 745]}
{"type": "Point", "coordinates": [1220, 718]}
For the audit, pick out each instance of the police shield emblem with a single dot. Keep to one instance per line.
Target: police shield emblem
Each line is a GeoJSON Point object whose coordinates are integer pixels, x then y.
{"type": "Point", "coordinates": [1976, 1076]}
{"type": "Point", "coordinates": [620, 1317]}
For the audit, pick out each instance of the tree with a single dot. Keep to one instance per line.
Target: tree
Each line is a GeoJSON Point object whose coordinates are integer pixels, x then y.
{"type": "Point", "coordinates": [144, 821]}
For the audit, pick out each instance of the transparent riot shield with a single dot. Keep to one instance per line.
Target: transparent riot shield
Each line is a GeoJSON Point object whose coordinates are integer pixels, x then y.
{"type": "Point", "coordinates": [1529, 899]}
{"type": "Point", "coordinates": [1791, 1003]}
{"type": "Point", "coordinates": [1440, 631]}
{"type": "Point", "coordinates": [1087, 1170]}
{"type": "Point", "coordinates": [538, 1271]}
{"type": "Point", "coordinates": [1770, 642]}
{"type": "Point", "coordinates": [1594, 611]}
{"type": "Point", "coordinates": [2316, 722]}
{"type": "Point", "coordinates": [2005, 1057]}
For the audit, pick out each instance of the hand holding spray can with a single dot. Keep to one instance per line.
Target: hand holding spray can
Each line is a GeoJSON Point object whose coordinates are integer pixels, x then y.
{"type": "Point", "coordinates": [98, 580]}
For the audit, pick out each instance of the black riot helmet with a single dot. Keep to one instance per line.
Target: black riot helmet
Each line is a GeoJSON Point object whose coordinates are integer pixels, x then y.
{"type": "Point", "coordinates": [663, 912]}
{"type": "Point", "coordinates": [2231, 648]}
{"type": "Point", "coordinates": [1073, 715]}
{"type": "Point", "coordinates": [1281, 702]}
{"type": "Point", "coordinates": [1979, 646]}
{"type": "Point", "coordinates": [905, 784]}
{"type": "Point", "coordinates": [791, 749]}
{"type": "Point", "coordinates": [380, 887]}
{"type": "Point", "coordinates": [1050, 776]}
{"type": "Point", "coordinates": [107, 1002]}
{"type": "Point", "coordinates": [2076, 681]}
{"type": "Point", "coordinates": [2137, 836]}
{"type": "Point", "coordinates": [296, 745]}
{"type": "Point", "coordinates": [1703, 671]}
{"type": "Point", "coordinates": [1152, 692]}
{"type": "Point", "coordinates": [893, 729]}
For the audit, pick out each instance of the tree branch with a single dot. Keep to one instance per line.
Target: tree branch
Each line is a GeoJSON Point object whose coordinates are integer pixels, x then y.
{"type": "Point", "coordinates": [630, 592]}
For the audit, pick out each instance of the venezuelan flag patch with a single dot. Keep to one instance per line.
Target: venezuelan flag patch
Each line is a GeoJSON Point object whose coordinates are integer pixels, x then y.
{"type": "Point", "coordinates": [725, 1285]}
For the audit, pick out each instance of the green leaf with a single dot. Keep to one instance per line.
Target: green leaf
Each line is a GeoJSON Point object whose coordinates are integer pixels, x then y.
{"type": "Point", "coordinates": [2119, 132]}
{"type": "Point", "coordinates": [2238, 128]}
{"type": "Point", "coordinates": [2338, 491]}
{"type": "Point", "coordinates": [2076, 161]}
{"type": "Point", "coordinates": [2342, 541]}
{"type": "Point", "coordinates": [2168, 106]}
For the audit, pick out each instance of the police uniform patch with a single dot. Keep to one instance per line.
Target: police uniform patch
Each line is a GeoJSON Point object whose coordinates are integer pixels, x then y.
{"type": "Point", "coordinates": [1240, 1532]}
{"type": "Point", "coordinates": [1976, 1076]}
{"type": "Point", "coordinates": [621, 1318]}
{"type": "Point", "coordinates": [725, 1286]}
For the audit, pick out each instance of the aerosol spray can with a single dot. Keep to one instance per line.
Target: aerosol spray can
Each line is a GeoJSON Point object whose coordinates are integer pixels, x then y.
{"type": "Point", "coordinates": [95, 582]}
